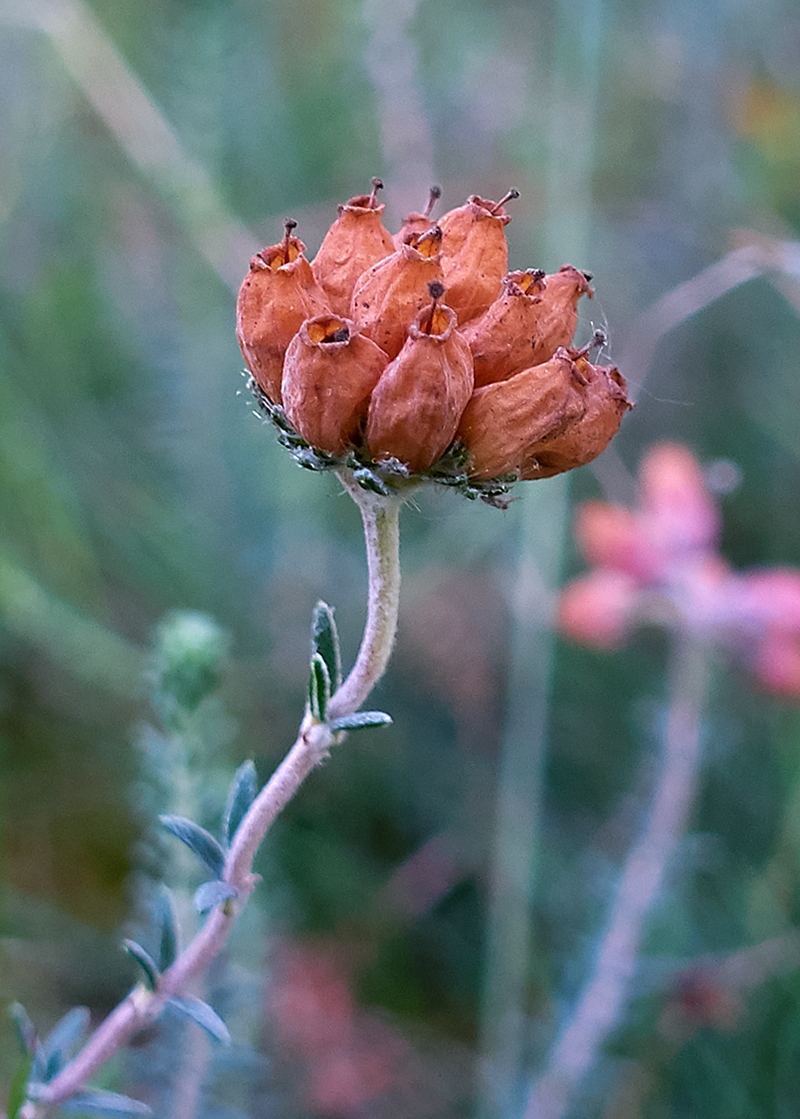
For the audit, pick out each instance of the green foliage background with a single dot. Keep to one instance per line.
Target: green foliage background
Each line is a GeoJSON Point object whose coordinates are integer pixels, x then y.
{"type": "Point", "coordinates": [644, 137]}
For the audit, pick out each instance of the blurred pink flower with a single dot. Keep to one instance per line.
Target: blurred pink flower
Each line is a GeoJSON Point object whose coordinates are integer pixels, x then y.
{"type": "Point", "coordinates": [659, 563]}
{"type": "Point", "coordinates": [349, 1055]}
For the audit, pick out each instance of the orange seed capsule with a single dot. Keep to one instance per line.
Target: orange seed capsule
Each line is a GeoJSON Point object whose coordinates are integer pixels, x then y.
{"type": "Point", "coordinates": [277, 294]}
{"type": "Point", "coordinates": [557, 311]}
{"type": "Point", "coordinates": [474, 254]}
{"type": "Point", "coordinates": [416, 405]}
{"type": "Point", "coordinates": [504, 420]}
{"type": "Point", "coordinates": [329, 372]}
{"type": "Point", "coordinates": [390, 293]}
{"type": "Point", "coordinates": [355, 241]}
{"type": "Point", "coordinates": [584, 437]}
{"type": "Point", "coordinates": [503, 338]}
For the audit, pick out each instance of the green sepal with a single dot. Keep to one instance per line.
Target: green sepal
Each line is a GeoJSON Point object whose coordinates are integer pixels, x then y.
{"type": "Point", "coordinates": [95, 1101]}
{"type": "Point", "coordinates": [319, 688]}
{"type": "Point", "coordinates": [145, 962]}
{"type": "Point", "coordinates": [197, 839]}
{"type": "Point", "coordinates": [203, 1015]}
{"type": "Point", "coordinates": [213, 893]}
{"type": "Point", "coordinates": [313, 459]}
{"type": "Point", "coordinates": [369, 480]}
{"type": "Point", "coordinates": [360, 720]}
{"type": "Point", "coordinates": [389, 475]}
{"type": "Point", "coordinates": [325, 641]}
{"type": "Point", "coordinates": [242, 793]}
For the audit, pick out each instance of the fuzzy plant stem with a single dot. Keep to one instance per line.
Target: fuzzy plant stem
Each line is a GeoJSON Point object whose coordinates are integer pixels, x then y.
{"type": "Point", "coordinates": [381, 517]}
{"type": "Point", "coordinates": [381, 520]}
{"type": "Point", "coordinates": [602, 1002]}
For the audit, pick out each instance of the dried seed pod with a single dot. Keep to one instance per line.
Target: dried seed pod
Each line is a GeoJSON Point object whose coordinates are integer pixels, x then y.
{"type": "Point", "coordinates": [503, 338]}
{"type": "Point", "coordinates": [415, 224]}
{"type": "Point", "coordinates": [390, 293]}
{"type": "Point", "coordinates": [604, 394]}
{"type": "Point", "coordinates": [329, 372]}
{"type": "Point", "coordinates": [355, 241]}
{"type": "Point", "coordinates": [416, 405]}
{"type": "Point", "coordinates": [504, 420]}
{"type": "Point", "coordinates": [557, 311]}
{"type": "Point", "coordinates": [474, 254]}
{"type": "Point", "coordinates": [278, 293]}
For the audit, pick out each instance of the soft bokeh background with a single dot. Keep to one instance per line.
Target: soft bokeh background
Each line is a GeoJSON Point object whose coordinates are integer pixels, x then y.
{"type": "Point", "coordinates": [147, 147]}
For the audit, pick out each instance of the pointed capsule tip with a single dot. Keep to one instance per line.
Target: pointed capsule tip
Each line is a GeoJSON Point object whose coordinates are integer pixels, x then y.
{"type": "Point", "coordinates": [434, 195]}
{"type": "Point", "coordinates": [377, 184]}
{"type": "Point", "coordinates": [507, 197]}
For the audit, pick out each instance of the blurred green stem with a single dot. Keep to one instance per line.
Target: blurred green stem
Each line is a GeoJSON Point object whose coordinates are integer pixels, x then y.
{"type": "Point", "coordinates": [381, 520]}
{"type": "Point", "coordinates": [602, 1002]}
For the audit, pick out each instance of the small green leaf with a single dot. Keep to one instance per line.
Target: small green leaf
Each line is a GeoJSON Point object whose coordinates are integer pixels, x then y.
{"type": "Point", "coordinates": [325, 641]}
{"type": "Point", "coordinates": [164, 913]}
{"type": "Point", "coordinates": [360, 720]}
{"type": "Point", "coordinates": [26, 1031]}
{"type": "Point", "coordinates": [19, 1087]}
{"type": "Point", "coordinates": [202, 1014]}
{"type": "Point", "coordinates": [242, 793]}
{"type": "Point", "coordinates": [319, 688]}
{"type": "Point", "coordinates": [211, 894]}
{"type": "Point", "coordinates": [145, 962]}
{"type": "Point", "coordinates": [51, 1055]}
{"type": "Point", "coordinates": [198, 840]}
{"type": "Point", "coordinates": [95, 1101]}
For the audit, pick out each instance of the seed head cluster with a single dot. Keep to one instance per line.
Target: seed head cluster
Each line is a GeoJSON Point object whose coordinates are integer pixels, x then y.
{"type": "Point", "coordinates": [401, 348]}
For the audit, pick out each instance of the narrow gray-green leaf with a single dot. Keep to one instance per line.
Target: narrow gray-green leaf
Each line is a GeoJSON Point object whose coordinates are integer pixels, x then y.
{"type": "Point", "coordinates": [53, 1052]}
{"type": "Point", "coordinates": [242, 793]}
{"type": "Point", "coordinates": [203, 1015]}
{"type": "Point", "coordinates": [211, 894]}
{"type": "Point", "coordinates": [164, 913]}
{"type": "Point", "coordinates": [360, 720]}
{"type": "Point", "coordinates": [26, 1031]}
{"type": "Point", "coordinates": [95, 1101]}
{"type": "Point", "coordinates": [198, 840]}
{"type": "Point", "coordinates": [145, 962]}
{"type": "Point", "coordinates": [319, 688]}
{"type": "Point", "coordinates": [325, 641]}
